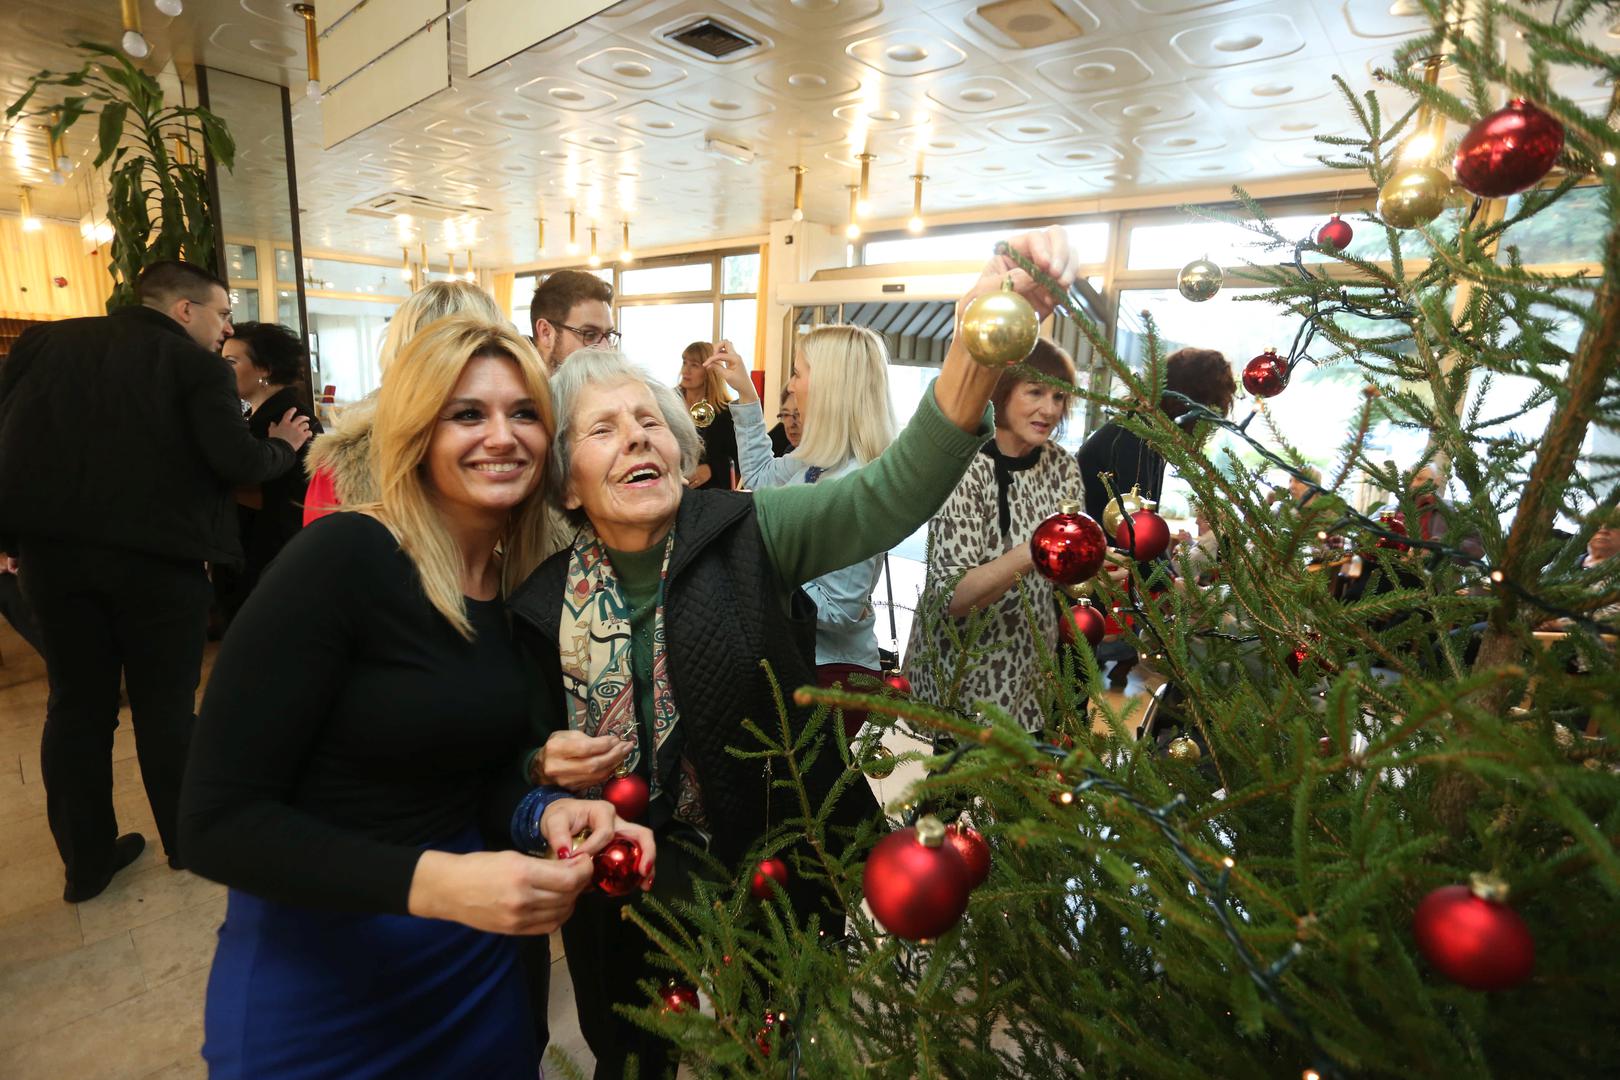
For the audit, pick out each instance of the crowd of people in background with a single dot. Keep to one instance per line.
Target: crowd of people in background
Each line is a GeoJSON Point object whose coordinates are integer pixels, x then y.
{"type": "Point", "coordinates": [540, 568]}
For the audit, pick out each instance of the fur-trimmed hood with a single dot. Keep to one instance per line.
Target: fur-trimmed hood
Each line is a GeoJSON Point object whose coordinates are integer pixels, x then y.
{"type": "Point", "coordinates": [345, 452]}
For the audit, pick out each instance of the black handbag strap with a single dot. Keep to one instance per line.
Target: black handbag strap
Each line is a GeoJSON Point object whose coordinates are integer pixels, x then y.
{"type": "Point", "coordinates": [888, 586]}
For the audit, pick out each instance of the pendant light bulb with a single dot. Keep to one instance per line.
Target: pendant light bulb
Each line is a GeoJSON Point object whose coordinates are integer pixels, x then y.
{"type": "Point", "coordinates": [135, 45]}
{"type": "Point", "coordinates": [312, 52]}
{"type": "Point", "coordinates": [171, 8]}
{"type": "Point", "coordinates": [916, 224]}
{"type": "Point", "coordinates": [596, 260]}
{"type": "Point", "coordinates": [625, 253]}
{"type": "Point", "coordinates": [540, 238]}
{"type": "Point", "coordinates": [863, 205]}
{"type": "Point", "coordinates": [852, 231]}
{"type": "Point", "coordinates": [798, 192]}
{"type": "Point", "coordinates": [472, 275]}
{"type": "Point", "coordinates": [25, 207]}
{"type": "Point", "coordinates": [404, 264]}
{"type": "Point", "coordinates": [573, 232]}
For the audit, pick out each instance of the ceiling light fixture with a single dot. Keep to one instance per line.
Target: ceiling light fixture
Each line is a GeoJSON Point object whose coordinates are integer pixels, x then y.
{"type": "Point", "coordinates": [134, 42]}
{"type": "Point", "coordinates": [853, 229]}
{"type": "Point", "coordinates": [596, 260]}
{"type": "Point", "coordinates": [916, 224]}
{"type": "Point", "coordinates": [423, 251]}
{"type": "Point", "coordinates": [540, 238]}
{"type": "Point", "coordinates": [450, 264]}
{"type": "Point", "coordinates": [171, 8]}
{"type": "Point", "coordinates": [573, 232]}
{"type": "Point", "coordinates": [1431, 126]}
{"type": "Point", "coordinates": [404, 263]}
{"type": "Point", "coordinates": [625, 254]}
{"type": "Point", "coordinates": [472, 275]}
{"type": "Point", "coordinates": [182, 152]}
{"type": "Point", "coordinates": [25, 206]}
{"type": "Point", "coordinates": [742, 155]}
{"type": "Point", "coordinates": [312, 52]}
{"type": "Point", "coordinates": [864, 204]}
{"type": "Point", "coordinates": [798, 191]}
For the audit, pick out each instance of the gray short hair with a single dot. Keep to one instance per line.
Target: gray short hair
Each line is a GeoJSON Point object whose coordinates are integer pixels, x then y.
{"type": "Point", "coordinates": [587, 366]}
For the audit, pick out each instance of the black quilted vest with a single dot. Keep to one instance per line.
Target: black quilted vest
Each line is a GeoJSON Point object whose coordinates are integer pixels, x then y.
{"type": "Point", "coordinates": [724, 613]}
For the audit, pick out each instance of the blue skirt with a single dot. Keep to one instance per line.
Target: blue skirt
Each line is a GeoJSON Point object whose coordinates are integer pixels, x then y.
{"type": "Point", "coordinates": [299, 993]}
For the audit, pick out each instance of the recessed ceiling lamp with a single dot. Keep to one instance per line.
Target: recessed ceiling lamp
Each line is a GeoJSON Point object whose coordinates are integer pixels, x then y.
{"type": "Point", "coordinates": [863, 205]}
{"type": "Point", "coordinates": [1030, 24]}
{"type": "Point", "coordinates": [171, 8]}
{"type": "Point", "coordinates": [625, 254]}
{"type": "Point", "coordinates": [25, 206]}
{"type": "Point", "coordinates": [312, 52]}
{"type": "Point", "coordinates": [133, 41]}
{"type": "Point", "coordinates": [573, 232]}
{"type": "Point", "coordinates": [798, 172]}
{"type": "Point", "coordinates": [595, 260]}
{"type": "Point", "coordinates": [916, 224]}
{"type": "Point", "coordinates": [853, 229]}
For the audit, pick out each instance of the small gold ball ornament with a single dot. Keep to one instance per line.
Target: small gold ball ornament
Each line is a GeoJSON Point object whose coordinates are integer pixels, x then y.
{"type": "Point", "coordinates": [878, 761]}
{"type": "Point", "coordinates": [703, 414]}
{"type": "Point", "coordinates": [1199, 280]}
{"type": "Point", "coordinates": [1132, 500]}
{"type": "Point", "coordinates": [1000, 328]}
{"type": "Point", "coordinates": [1183, 748]}
{"type": "Point", "coordinates": [1413, 197]}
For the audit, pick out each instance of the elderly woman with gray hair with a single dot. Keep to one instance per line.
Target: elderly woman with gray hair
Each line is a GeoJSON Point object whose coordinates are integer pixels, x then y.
{"type": "Point", "coordinates": [649, 631]}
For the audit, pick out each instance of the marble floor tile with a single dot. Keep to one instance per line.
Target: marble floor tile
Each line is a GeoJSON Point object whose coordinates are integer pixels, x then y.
{"type": "Point", "coordinates": [179, 944]}
{"type": "Point", "coordinates": [127, 1041]}
{"type": "Point", "coordinates": [47, 995]}
{"type": "Point", "coordinates": [26, 838]}
{"type": "Point", "coordinates": [139, 897]}
{"type": "Point", "coordinates": [48, 930]}
{"type": "Point", "coordinates": [30, 883]}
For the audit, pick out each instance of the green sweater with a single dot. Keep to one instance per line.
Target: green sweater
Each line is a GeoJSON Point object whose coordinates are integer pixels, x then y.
{"type": "Point", "coordinates": [810, 529]}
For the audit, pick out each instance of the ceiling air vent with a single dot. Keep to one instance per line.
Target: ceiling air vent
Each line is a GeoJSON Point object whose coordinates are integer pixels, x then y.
{"type": "Point", "coordinates": [394, 204]}
{"type": "Point", "coordinates": [712, 38]}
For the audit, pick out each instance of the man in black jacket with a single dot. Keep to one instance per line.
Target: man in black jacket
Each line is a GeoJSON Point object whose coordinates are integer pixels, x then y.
{"type": "Point", "coordinates": [121, 439]}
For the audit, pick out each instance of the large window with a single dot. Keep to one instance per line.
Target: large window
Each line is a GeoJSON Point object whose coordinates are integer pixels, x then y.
{"type": "Point", "coordinates": [1089, 238]}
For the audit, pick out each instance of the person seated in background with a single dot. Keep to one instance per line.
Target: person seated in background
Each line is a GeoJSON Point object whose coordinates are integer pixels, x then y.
{"type": "Point", "coordinates": [789, 427]}
{"type": "Point", "coordinates": [1603, 546]}
{"type": "Point", "coordinates": [269, 362]}
{"type": "Point", "coordinates": [702, 383]}
{"type": "Point", "coordinates": [1434, 516]}
{"type": "Point", "coordinates": [1198, 557]}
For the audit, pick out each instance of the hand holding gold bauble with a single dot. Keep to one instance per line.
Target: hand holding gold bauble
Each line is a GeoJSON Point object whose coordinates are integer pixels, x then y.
{"type": "Point", "coordinates": [703, 414]}
{"type": "Point", "coordinates": [1413, 197]}
{"type": "Point", "coordinates": [1000, 328]}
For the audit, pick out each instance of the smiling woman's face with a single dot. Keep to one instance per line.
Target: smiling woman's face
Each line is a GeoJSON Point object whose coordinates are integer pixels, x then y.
{"type": "Point", "coordinates": [624, 466]}
{"type": "Point", "coordinates": [489, 447]}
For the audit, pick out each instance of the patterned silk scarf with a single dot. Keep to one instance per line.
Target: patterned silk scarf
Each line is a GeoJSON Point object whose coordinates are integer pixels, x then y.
{"type": "Point", "coordinates": [595, 645]}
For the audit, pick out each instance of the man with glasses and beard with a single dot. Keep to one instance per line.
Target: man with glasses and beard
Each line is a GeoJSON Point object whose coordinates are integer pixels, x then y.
{"type": "Point", "coordinates": [572, 310]}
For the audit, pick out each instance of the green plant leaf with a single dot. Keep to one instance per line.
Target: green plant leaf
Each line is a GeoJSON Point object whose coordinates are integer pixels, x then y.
{"type": "Point", "coordinates": [22, 102]}
{"type": "Point", "coordinates": [218, 137]}
{"type": "Point", "coordinates": [111, 131]}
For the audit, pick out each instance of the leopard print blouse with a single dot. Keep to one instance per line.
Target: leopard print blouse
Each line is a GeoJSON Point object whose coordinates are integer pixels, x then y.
{"type": "Point", "coordinates": [965, 534]}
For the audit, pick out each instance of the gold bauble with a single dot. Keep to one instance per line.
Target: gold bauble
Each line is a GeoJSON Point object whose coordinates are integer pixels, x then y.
{"type": "Point", "coordinates": [877, 761]}
{"type": "Point", "coordinates": [1113, 515]}
{"type": "Point", "coordinates": [703, 414]}
{"type": "Point", "coordinates": [1183, 748]}
{"type": "Point", "coordinates": [1413, 197]}
{"type": "Point", "coordinates": [1000, 328]}
{"type": "Point", "coordinates": [1199, 280]}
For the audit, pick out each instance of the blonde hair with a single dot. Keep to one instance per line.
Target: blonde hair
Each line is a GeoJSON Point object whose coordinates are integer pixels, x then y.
{"type": "Point", "coordinates": [715, 390]}
{"type": "Point", "coordinates": [434, 301]}
{"type": "Point", "coordinates": [408, 409]}
{"type": "Point", "coordinates": [848, 414]}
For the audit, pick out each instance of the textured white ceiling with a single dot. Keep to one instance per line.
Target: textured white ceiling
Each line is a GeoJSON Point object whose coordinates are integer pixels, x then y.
{"type": "Point", "coordinates": [610, 117]}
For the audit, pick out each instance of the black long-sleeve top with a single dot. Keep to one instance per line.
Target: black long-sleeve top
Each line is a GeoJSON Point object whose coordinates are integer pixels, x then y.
{"type": "Point", "coordinates": [280, 515]}
{"type": "Point", "coordinates": [1129, 461]}
{"type": "Point", "coordinates": [719, 450]}
{"type": "Point", "coordinates": [346, 725]}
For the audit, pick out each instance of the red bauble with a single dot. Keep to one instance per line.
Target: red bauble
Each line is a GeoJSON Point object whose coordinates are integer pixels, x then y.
{"type": "Point", "coordinates": [1508, 151]}
{"type": "Point", "coordinates": [678, 997]}
{"type": "Point", "coordinates": [1068, 547]}
{"type": "Point", "coordinates": [1266, 375]}
{"type": "Point", "coordinates": [970, 844]}
{"type": "Point", "coordinates": [1087, 622]}
{"type": "Point", "coordinates": [916, 890]}
{"type": "Point", "coordinates": [767, 876]}
{"type": "Point", "coordinates": [615, 867]}
{"type": "Point", "coordinates": [774, 1022]}
{"type": "Point", "coordinates": [1475, 942]}
{"type": "Point", "coordinates": [898, 682]}
{"type": "Point", "coordinates": [1302, 652]}
{"type": "Point", "coordinates": [628, 794]}
{"type": "Point", "coordinates": [1335, 235]}
{"type": "Point", "coordinates": [1395, 522]}
{"type": "Point", "coordinates": [1151, 532]}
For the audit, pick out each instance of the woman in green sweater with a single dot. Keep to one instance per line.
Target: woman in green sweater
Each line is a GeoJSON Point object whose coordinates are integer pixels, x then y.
{"type": "Point", "coordinates": [649, 633]}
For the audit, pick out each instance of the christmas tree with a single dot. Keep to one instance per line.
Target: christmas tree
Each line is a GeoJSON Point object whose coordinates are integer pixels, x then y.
{"type": "Point", "coordinates": [1371, 828]}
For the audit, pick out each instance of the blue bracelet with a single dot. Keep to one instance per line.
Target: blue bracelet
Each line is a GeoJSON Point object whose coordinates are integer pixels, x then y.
{"type": "Point", "coordinates": [526, 834]}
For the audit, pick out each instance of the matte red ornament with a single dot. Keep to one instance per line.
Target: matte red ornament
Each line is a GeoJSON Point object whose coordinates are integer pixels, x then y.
{"type": "Point", "coordinates": [1266, 375]}
{"type": "Point", "coordinates": [628, 794]}
{"type": "Point", "coordinates": [1068, 547]}
{"type": "Point", "coordinates": [1150, 531]}
{"type": "Point", "coordinates": [1472, 939]}
{"type": "Point", "coordinates": [1335, 235]}
{"type": "Point", "coordinates": [898, 682]}
{"type": "Point", "coordinates": [616, 870]}
{"type": "Point", "coordinates": [970, 844]}
{"type": "Point", "coordinates": [767, 876]}
{"type": "Point", "coordinates": [1084, 621]}
{"type": "Point", "coordinates": [1508, 151]}
{"type": "Point", "coordinates": [678, 997]}
{"type": "Point", "coordinates": [916, 889]}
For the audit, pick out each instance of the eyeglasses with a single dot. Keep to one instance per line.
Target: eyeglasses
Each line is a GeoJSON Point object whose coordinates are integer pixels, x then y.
{"type": "Point", "coordinates": [591, 336]}
{"type": "Point", "coordinates": [223, 313]}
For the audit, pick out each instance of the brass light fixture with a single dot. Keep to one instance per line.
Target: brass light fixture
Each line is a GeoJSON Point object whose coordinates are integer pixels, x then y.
{"type": "Point", "coordinates": [25, 207]}
{"type": "Point", "coordinates": [312, 52]}
{"type": "Point", "coordinates": [472, 275]}
{"type": "Point", "coordinates": [540, 239]}
{"type": "Point", "coordinates": [422, 250]}
{"type": "Point", "coordinates": [852, 231]}
{"type": "Point", "coordinates": [134, 42]}
{"type": "Point", "coordinates": [916, 224]}
{"type": "Point", "coordinates": [798, 191]}
{"type": "Point", "coordinates": [182, 151]}
{"type": "Point", "coordinates": [864, 205]}
{"type": "Point", "coordinates": [450, 263]}
{"type": "Point", "coordinates": [573, 232]}
{"type": "Point", "coordinates": [595, 260]}
{"type": "Point", "coordinates": [405, 264]}
{"type": "Point", "coordinates": [625, 254]}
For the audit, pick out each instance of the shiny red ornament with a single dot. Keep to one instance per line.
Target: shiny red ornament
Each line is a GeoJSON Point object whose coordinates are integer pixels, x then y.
{"type": "Point", "coordinates": [975, 851]}
{"type": "Point", "coordinates": [678, 997]}
{"type": "Point", "coordinates": [1266, 375]}
{"type": "Point", "coordinates": [1472, 940]}
{"type": "Point", "coordinates": [1068, 547]}
{"type": "Point", "coordinates": [767, 876]}
{"type": "Point", "coordinates": [898, 682]}
{"type": "Point", "coordinates": [1150, 532]}
{"type": "Point", "coordinates": [916, 889]}
{"type": "Point", "coordinates": [1335, 235]}
{"type": "Point", "coordinates": [1302, 652]}
{"type": "Point", "coordinates": [628, 794]}
{"type": "Point", "coordinates": [1395, 522]}
{"type": "Point", "coordinates": [1084, 621]}
{"type": "Point", "coordinates": [1508, 151]}
{"type": "Point", "coordinates": [775, 1022]}
{"type": "Point", "coordinates": [616, 865]}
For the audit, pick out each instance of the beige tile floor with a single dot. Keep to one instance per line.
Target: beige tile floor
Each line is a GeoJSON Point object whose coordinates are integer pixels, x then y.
{"type": "Point", "coordinates": [112, 989]}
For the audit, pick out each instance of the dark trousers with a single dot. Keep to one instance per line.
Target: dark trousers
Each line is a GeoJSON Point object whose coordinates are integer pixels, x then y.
{"type": "Point", "coordinates": [104, 612]}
